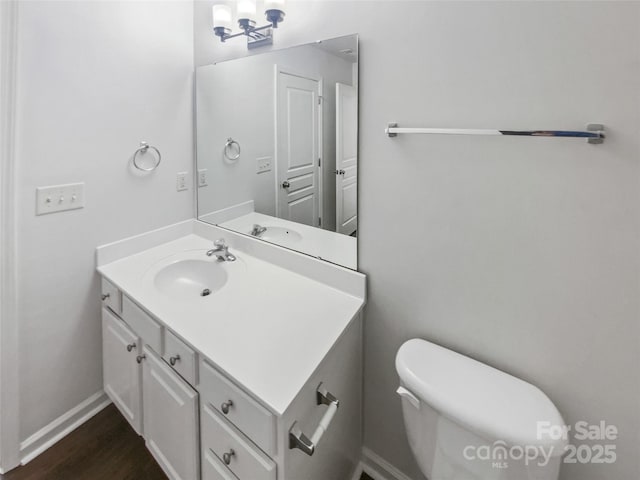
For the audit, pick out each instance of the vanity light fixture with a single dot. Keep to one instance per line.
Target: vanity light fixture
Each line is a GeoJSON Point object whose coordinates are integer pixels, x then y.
{"type": "Point", "coordinates": [256, 36]}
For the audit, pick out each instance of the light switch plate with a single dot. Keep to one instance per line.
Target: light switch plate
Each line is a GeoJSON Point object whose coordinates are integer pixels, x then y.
{"type": "Point", "coordinates": [202, 177]}
{"type": "Point", "coordinates": [58, 198]}
{"type": "Point", "coordinates": [264, 164]}
{"type": "Point", "coordinates": [181, 182]}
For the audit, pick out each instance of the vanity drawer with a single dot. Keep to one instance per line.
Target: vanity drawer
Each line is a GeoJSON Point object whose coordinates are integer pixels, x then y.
{"type": "Point", "coordinates": [181, 358]}
{"type": "Point", "coordinates": [219, 436]}
{"type": "Point", "coordinates": [111, 296]}
{"type": "Point", "coordinates": [146, 327]}
{"type": "Point", "coordinates": [214, 469]}
{"type": "Point", "coordinates": [249, 416]}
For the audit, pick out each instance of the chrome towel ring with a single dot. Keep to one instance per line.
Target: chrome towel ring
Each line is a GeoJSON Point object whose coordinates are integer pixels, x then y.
{"type": "Point", "coordinates": [144, 147]}
{"type": "Point", "coordinates": [227, 148]}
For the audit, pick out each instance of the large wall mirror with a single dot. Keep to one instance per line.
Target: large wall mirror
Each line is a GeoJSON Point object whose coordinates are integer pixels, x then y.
{"type": "Point", "coordinates": [277, 147]}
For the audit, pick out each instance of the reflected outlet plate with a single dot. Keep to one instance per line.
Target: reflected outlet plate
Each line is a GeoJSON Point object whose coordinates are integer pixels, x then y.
{"type": "Point", "coordinates": [202, 177]}
{"type": "Point", "coordinates": [264, 164]}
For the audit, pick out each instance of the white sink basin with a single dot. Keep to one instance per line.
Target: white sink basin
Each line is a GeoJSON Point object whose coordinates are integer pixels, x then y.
{"type": "Point", "coordinates": [280, 235]}
{"type": "Point", "coordinates": [191, 278]}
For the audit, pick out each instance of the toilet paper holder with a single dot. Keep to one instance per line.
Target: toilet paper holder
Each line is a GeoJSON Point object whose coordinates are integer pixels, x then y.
{"type": "Point", "coordinates": [297, 439]}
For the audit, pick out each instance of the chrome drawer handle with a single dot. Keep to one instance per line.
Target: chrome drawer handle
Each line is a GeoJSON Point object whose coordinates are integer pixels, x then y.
{"type": "Point", "coordinates": [227, 456]}
{"type": "Point", "coordinates": [225, 406]}
{"type": "Point", "coordinates": [104, 296]}
{"type": "Point", "coordinates": [131, 346]}
{"type": "Point", "coordinates": [140, 358]}
{"type": "Point", "coordinates": [174, 360]}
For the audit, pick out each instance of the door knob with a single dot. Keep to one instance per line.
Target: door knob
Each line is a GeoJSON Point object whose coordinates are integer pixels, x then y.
{"type": "Point", "coordinates": [173, 360]}
{"type": "Point", "coordinates": [340, 172]}
{"type": "Point", "coordinates": [286, 184]}
{"type": "Point", "coordinates": [104, 296]}
{"type": "Point", "coordinates": [140, 358]}
{"type": "Point", "coordinates": [131, 346]}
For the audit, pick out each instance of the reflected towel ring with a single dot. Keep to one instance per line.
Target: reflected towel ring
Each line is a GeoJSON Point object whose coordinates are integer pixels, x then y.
{"type": "Point", "coordinates": [144, 147]}
{"type": "Point", "coordinates": [227, 147]}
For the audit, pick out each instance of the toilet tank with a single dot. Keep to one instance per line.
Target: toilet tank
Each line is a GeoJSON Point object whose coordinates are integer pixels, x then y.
{"type": "Point", "coordinates": [466, 418]}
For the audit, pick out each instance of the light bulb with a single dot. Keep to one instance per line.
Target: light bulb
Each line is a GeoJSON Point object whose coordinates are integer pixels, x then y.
{"type": "Point", "coordinates": [247, 9]}
{"type": "Point", "coordinates": [221, 17]}
{"type": "Point", "coordinates": [274, 5]}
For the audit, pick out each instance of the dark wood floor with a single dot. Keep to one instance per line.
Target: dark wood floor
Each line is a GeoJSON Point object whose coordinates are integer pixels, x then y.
{"type": "Point", "coordinates": [104, 448]}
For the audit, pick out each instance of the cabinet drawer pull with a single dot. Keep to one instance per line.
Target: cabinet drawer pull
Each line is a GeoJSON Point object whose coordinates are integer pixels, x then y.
{"type": "Point", "coordinates": [104, 296]}
{"type": "Point", "coordinates": [131, 346]}
{"type": "Point", "coordinates": [174, 360]}
{"type": "Point", "coordinates": [225, 406]}
{"type": "Point", "coordinates": [227, 456]}
{"type": "Point", "coordinates": [140, 358]}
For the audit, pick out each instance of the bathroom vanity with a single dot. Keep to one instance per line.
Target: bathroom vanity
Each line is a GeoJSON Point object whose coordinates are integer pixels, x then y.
{"type": "Point", "coordinates": [245, 363]}
{"type": "Point", "coordinates": [247, 369]}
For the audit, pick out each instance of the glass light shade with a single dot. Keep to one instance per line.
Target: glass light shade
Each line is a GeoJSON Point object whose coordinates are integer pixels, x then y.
{"type": "Point", "coordinates": [274, 11]}
{"type": "Point", "coordinates": [222, 17]}
{"type": "Point", "coordinates": [246, 9]}
{"type": "Point", "coordinates": [274, 5]}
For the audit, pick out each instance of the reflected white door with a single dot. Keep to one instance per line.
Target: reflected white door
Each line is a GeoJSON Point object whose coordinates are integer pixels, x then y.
{"type": "Point", "coordinates": [346, 159]}
{"type": "Point", "coordinates": [297, 148]}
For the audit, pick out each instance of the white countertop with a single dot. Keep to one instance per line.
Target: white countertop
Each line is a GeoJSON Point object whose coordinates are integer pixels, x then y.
{"type": "Point", "coordinates": [268, 328]}
{"type": "Point", "coordinates": [325, 244]}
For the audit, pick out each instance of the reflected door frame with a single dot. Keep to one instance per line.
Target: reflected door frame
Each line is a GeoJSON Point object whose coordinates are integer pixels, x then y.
{"type": "Point", "coordinates": [320, 165]}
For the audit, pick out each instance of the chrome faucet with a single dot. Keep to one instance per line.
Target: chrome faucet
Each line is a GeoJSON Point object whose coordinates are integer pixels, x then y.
{"type": "Point", "coordinates": [258, 230]}
{"type": "Point", "coordinates": [221, 251]}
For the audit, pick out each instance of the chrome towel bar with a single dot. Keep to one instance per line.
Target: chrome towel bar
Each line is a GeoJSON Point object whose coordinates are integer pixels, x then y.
{"type": "Point", "coordinates": [594, 133]}
{"type": "Point", "coordinates": [299, 440]}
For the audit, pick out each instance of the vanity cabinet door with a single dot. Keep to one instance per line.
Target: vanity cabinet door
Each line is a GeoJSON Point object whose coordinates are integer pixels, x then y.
{"type": "Point", "coordinates": [170, 418]}
{"type": "Point", "coordinates": [121, 372]}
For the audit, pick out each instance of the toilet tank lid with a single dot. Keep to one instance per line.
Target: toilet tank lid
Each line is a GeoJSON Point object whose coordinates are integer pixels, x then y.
{"type": "Point", "coordinates": [487, 401]}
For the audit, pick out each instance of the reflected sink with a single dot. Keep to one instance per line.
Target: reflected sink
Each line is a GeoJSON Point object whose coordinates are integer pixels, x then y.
{"type": "Point", "coordinates": [190, 279]}
{"type": "Point", "coordinates": [280, 234]}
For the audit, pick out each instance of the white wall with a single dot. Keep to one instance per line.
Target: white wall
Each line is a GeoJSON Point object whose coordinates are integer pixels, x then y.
{"type": "Point", "coordinates": [236, 99]}
{"type": "Point", "coordinates": [520, 252]}
{"type": "Point", "coordinates": [94, 79]}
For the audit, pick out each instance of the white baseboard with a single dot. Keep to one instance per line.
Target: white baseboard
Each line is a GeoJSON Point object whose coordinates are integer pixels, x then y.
{"type": "Point", "coordinates": [62, 426]}
{"type": "Point", "coordinates": [378, 468]}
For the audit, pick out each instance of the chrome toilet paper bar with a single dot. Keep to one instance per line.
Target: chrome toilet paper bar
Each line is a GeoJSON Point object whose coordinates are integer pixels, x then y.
{"type": "Point", "coordinates": [297, 439]}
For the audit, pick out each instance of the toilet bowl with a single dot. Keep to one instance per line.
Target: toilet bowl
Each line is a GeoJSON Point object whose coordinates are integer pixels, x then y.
{"type": "Point", "coordinates": [468, 421]}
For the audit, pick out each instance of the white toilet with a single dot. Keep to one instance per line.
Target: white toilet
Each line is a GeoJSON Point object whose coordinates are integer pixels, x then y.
{"type": "Point", "coordinates": [468, 421]}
